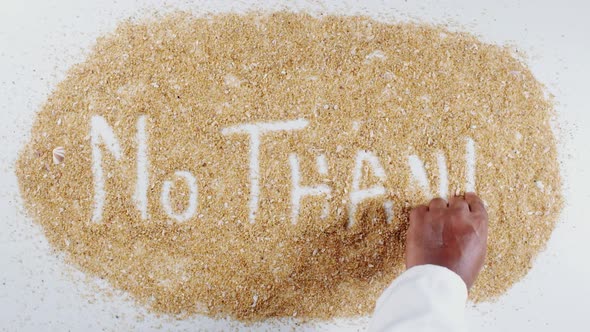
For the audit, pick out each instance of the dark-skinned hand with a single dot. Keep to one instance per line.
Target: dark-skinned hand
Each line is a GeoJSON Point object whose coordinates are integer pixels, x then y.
{"type": "Point", "coordinates": [453, 235]}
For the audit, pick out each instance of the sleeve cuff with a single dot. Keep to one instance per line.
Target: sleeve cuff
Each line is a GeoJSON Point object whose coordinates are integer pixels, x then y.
{"type": "Point", "coordinates": [430, 276]}
{"type": "Point", "coordinates": [423, 298]}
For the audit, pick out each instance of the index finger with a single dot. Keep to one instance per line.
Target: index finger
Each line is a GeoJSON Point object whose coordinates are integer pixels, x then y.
{"type": "Point", "coordinates": [474, 202]}
{"type": "Point", "coordinates": [418, 212]}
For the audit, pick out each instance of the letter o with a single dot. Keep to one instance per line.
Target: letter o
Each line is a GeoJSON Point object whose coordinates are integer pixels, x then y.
{"type": "Point", "coordinates": [190, 211]}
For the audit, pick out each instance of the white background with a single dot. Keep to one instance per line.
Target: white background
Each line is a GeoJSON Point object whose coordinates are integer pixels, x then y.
{"type": "Point", "coordinates": [40, 39]}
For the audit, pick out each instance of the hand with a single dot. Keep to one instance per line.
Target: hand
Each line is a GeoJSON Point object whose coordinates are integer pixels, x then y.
{"type": "Point", "coordinates": [452, 235]}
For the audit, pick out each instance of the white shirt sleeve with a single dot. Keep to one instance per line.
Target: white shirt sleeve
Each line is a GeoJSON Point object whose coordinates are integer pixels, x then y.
{"type": "Point", "coordinates": [424, 298]}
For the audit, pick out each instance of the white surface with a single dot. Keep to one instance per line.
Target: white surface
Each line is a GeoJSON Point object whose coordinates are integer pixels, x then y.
{"type": "Point", "coordinates": [40, 39]}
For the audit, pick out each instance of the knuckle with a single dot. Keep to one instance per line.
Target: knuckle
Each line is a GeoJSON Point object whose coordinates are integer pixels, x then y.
{"type": "Point", "coordinates": [456, 218]}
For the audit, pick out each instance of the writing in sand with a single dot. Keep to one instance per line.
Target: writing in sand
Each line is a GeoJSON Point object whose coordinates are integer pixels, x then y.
{"type": "Point", "coordinates": [101, 134]}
